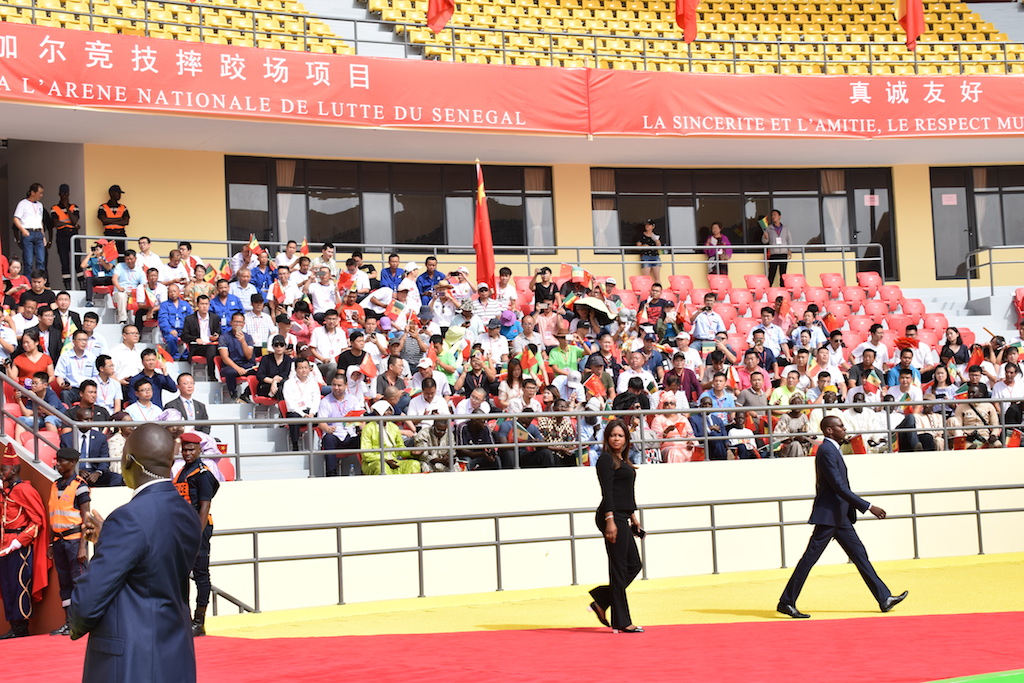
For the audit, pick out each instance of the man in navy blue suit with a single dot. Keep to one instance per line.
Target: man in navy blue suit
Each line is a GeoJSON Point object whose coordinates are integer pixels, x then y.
{"type": "Point", "coordinates": [132, 599]}
{"type": "Point", "coordinates": [91, 443]}
{"type": "Point", "coordinates": [833, 515]}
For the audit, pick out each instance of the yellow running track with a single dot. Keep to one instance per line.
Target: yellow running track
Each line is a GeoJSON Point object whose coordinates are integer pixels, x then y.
{"type": "Point", "coordinates": [955, 585]}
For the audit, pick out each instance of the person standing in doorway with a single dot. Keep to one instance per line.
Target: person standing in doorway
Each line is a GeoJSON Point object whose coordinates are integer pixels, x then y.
{"type": "Point", "coordinates": [114, 217]}
{"type": "Point", "coordinates": [780, 243]}
{"type": "Point", "coordinates": [64, 217]}
{"type": "Point", "coordinates": [28, 220]}
{"type": "Point", "coordinates": [650, 257]}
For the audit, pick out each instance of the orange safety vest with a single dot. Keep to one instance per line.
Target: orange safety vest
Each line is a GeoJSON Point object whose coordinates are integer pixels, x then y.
{"type": "Point", "coordinates": [63, 217]}
{"type": "Point", "coordinates": [183, 487]}
{"type": "Point", "coordinates": [64, 516]}
{"type": "Point", "coordinates": [113, 213]}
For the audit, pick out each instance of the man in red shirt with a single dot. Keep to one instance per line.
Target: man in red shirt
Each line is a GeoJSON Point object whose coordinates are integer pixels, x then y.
{"type": "Point", "coordinates": [352, 315]}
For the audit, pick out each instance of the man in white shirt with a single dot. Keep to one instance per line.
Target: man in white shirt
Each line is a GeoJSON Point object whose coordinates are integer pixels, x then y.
{"type": "Point", "coordinates": [360, 279]}
{"type": "Point", "coordinates": [289, 257]}
{"type": "Point", "coordinates": [1008, 389]}
{"type": "Point", "coordinates": [127, 355]}
{"type": "Point", "coordinates": [258, 323]}
{"type": "Point", "coordinates": [323, 295]}
{"type": "Point", "coordinates": [693, 360]}
{"type": "Point", "coordinates": [485, 308]}
{"type": "Point", "coordinates": [925, 359]}
{"type": "Point", "coordinates": [327, 343]}
{"type": "Point", "coordinates": [28, 220]}
{"type": "Point", "coordinates": [126, 278]}
{"type": "Point", "coordinates": [243, 288]}
{"type": "Point", "coordinates": [882, 357]}
{"type": "Point", "coordinates": [243, 259]}
{"type": "Point", "coordinates": [428, 402]}
{"type": "Point", "coordinates": [529, 335]}
{"type": "Point", "coordinates": [283, 293]}
{"type": "Point", "coordinates": [97, 344]}
{"type": "Point", "coordinates": [906, 390]}
{"type": "Point", "coordinates": [634, 369]}
{"type": "Point", "coordinates": [25, 318]}
{"type": "Point", "coordinates": [494, 345]}
{"type": "Point", "coordinates": [706, 323]}
{"type": "Point", "coordinates": [146, 258]}
{"type": "Point", "coordinates": [301, 398]}
{"type": "Point", "coordinates": [143, 409]}
{"type": "Point", "coordinates": [174, 271]}
{"type": "Point", "coordinates": [425, 370]}
{"type": "Point", "coordinates": [74, 367]}
{"type": "Point", "coordinates": [477, 401]}
{"type": "Point", "coordinates": [505, 291]}
{"type": "Point", "coordinates": [149, 295]}
{"type": "Point", "coordinates": [774, 336]}
{"type": "Point", "coordinates": [8, 340]}
{"type": "Point", "coordinates": [108, 389]}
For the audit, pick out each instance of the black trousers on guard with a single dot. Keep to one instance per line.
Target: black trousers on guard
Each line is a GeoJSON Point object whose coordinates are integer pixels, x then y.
{"type": "Point", "coordinates": [850, 542]}
{"type": "Point", "coordinates": [65, 560]}
{"type": "Point", "coordinates": [16, 583]}
{"type": "Point", "coordinates": [623, 566]}
{"type": "Point", "coordinates": [201, 569]}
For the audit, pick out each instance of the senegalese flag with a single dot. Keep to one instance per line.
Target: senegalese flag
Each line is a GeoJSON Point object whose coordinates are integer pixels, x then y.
{"type": "Point", "coordinates": [254, 245]}
{"type": "Point", "coordinates": [961, 393]}
{"type": "Point", "coordinates": [732, 378]}
{"type": "Point", "coordinates": [1016, 345]}
{"type": "Point", "coordinates": [872, 382]}
{"type": "Point", "coordinates": [528, 359]}
{"type": "Point", "coordinates": [225, 270]}
{"type": "Point", "coordinates": [570, 300]}
{"type": "Point", "coordinates": [595, 386]}
{"type": "Point", "coordinates": [394, 310]}
{"type": "Point", "coordinates": [304, 249]}
{"type": "Point", "coordinates": [148, 302]}
{"type": "Point", "coordinates": [68, 335]}
{"type": "Point", "coordinates": [211, 275]}
{"type": "Point", "coordinates": [707, 347]}
{"type": "Point", "coordinates": [415, 392]}
{"type": "Point", "coordinates": [763, 223]}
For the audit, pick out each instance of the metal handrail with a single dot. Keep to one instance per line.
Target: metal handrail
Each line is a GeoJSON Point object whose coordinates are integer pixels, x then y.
{"type": "Point", "coordinates": [974, 268]}
{"type": "Point", "coordinates": [256, 560]}
{"type": "Point", "coordinates": [216, 592]}
{"type": "Point", "coordinates": [876, 56]}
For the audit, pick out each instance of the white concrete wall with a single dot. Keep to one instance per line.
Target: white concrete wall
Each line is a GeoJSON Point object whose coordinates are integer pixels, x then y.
{"type": "Point", "coordinates": [300, 502]}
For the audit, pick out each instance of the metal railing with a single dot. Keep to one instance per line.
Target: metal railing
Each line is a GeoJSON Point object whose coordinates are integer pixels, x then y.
{"type": "Point", "coordinates": [845, 258]}
{"type": "Point", "coordinates": [257, 560]}
{"type": "Point", "coordinates": [985, 258]}
{"type": "Point", "coordinates": [839, 52]}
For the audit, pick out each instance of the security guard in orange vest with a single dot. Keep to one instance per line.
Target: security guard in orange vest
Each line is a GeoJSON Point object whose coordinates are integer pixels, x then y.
{"type": "Point", "coordinates": [198, 485]}
{"type": "Point", "coordinates": [64, 218]}
{"type": "Point", "coordinates": [69, 504]}
{"type": "Point", "coordinates": [114, 217]}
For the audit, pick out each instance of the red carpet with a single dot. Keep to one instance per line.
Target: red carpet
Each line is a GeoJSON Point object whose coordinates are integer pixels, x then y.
{"type": "Point", "coordinates": [886, 649]}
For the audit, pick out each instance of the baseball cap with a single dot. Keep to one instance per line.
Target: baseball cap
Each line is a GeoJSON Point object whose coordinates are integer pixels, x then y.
{"type": "Point", "coordinates": [683, 335]}
{"type": "Point", "coordinates": [493, 324]}
{"type": "Point", "coordinates": [462, 269]}
{"type": "Point", "coordinates": [385, 323]}
{"type": "Point", "coordinates": [482, 285]}
{"type": "Point", "coordinates": [610, 281]}
{"type": "Point", "coordinates": [406, 285]}
{"type": "Point", "coordinates": [116, 188]}
{"type": "Point", "coordinates": [650, 336]}
{"type": "Point", "coordinates": [424, 363]}
{"type": "Point", "coordinates": [411, 266]}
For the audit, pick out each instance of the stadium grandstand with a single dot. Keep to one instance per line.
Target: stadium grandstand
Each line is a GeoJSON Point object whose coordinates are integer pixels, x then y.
{"type": "Point", "coordinates": [484, 241]}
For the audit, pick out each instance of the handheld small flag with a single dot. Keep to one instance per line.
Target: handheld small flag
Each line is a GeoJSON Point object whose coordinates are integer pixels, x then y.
{"type": "Point", "coordinates": [961, 392]}
{"type": "Point", "coordinates": [977, 356]}
{"type": "Point", "coordinates": [872, 382]}
{"type": "Point", "coordinates": [367, 367]}
{"type": "Point", "coordinates": [1013, 441]}
{"type": "Point", "coordinates": [277, 292]}
{"type": "Point", "coordinates": [254, 245]}
{"type": "Point", "coordinates": [595, 386]}
{"type": "Point", "coordinates": [109, 250]}
{"type": "Point", "coordinates": [304, 249]}
{"type": "Point", "coordinates": [784, 309]}
{"type": "Point", "coordinates": [959, 443]}
{"type": "Point", "coordinates": [706, 347]}
{"type": "Point", "coordinates": [163, 354]}
{"type": "Point", "coordinates": [148, 302]}
{"type": "Point", "coordinates": [831, 323]}
{"type": "Point", "coordinates": [345, 280]}
{"type": "Point", "coordinates": [906, 343]}
{"type": "Point", "coordinates": [211, 275]}
{"type": "Point", "coordinates": [581, 275]}
{"type": "Point", "coordinates": [570, 300]}
{"type": "Point", "coordinates": [354, 413]}
{"type": "Point", "coordinates": [225, 270]}
{"type": "Point", "coordinates": [732, 378]}
{"type": "Point", "coordinates": [394, 310]}
{"type": "Point", "coordinates": [763, 223]}
{"type": "Point", "coordinates": [528, 359]}
{"type": "Point", "coordinates": [857, 444]}
{"type": "Point", "coordinates": [566, 271]}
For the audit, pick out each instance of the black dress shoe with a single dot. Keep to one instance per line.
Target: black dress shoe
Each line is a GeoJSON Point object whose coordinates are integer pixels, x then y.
{"type": "Point", "coordinates": [64, 630]}
{"type": "Point", "coordinates": [635, 629]}
{"type": "Point", "coordinates": [599, 613]}
{"type": "Point", "coordinates": [198, 629]}
{"type": "Point", "coordinates": [791, 611]}
{"type": "Point", "coordinates": [19, 629]}
{"type": "Point", "coordinates": [893, 600]}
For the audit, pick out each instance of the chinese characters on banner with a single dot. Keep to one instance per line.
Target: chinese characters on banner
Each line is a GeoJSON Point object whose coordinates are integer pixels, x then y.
{"type": "Point", "coordinates": [122, 73]}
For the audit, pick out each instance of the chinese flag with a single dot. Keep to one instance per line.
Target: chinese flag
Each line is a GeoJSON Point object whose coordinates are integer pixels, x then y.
{"type": "Point", "coordinates": [304, 249]}
{"type": "Point", "coordinates": [109, 250]}
{"type": "Point", "coordinates": [906, 343]}
{"type": "Point", "coordinates": [857, 444]}
{"type": "Point", "coordinates": [686, 18]}
{"type": "Point", "coordinates": [566, 271]}
{"type": "Point", "coordinates": [163, 354]}
{"type": "Point", "coordinates": [831, 324]}
{"type": "Point", "coordinates": [344, 280]}
{"type": "Point", "coordinates": [959, 443]}
{"type": "Point", "coordinates": [910, 14]}
{"type": "Point", "coordinates": [439, 12]}
{"type": "Point", "coordinates": [367, 367]}
{"type": "Point", "coordinates": [482, 243]}
{"type": "Point", "coordinates": [276, 292]}
{"type": "Point", "coordinates": [977, 357]}
{"type": "Point", "coordinates": [595, 386]}
{"type": "Point", "coordinates": [1014, 440]}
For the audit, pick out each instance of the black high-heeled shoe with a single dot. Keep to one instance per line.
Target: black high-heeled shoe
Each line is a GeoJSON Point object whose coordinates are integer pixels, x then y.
{"type": "Point", "coordinates": [599, 613]}
{"type": "Point", "coordinates": [635, 629]}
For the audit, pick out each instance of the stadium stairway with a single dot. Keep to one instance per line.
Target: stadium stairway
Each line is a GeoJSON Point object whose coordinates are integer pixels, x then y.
{"type": "Point", "coordinates": [353, 23]}
{"type": "Point", "coordinates": [995, 313]}
{"type": "Point", "coordinates": [1007, 17]}
{"type": "Point", "coordinates": [251, 439]}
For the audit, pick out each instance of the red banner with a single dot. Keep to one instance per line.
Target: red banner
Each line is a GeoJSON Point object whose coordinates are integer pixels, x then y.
{"type": "Point", "coordinates": [115, 72]}
{"type": "Point", "coordinates": [50, 66]}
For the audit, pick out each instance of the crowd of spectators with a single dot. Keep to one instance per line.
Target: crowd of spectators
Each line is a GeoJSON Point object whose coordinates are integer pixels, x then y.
{"type": "Point", "coordinates": [333, 340]}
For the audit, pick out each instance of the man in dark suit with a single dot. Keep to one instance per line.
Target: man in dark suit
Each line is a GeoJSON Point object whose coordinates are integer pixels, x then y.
{"type": "Point", "coordinates": [833, 514]}
{"type": "Point", "coordinates": [133, 597]}
{"type": "Point", "coordinates": [91, 443]}
{"type": "Point", "coordinates": [202, 332]}
{"type": "Point", "coordinates": [49, 335]}
{"type": "Point", "coordinates": [190, 408]}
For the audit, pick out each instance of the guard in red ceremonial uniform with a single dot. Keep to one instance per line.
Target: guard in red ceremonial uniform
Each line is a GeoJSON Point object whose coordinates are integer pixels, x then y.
{"type": "Point", "coordinates": [64, 218]}
{"type": "Point", "coordinates": [198, 485]}
{"type": "Point", "coordinates": [23, 536]}
{"type": "Point", "coordinates": [114, 218]}
{"type": "Point", "coordinates": [69, 505]}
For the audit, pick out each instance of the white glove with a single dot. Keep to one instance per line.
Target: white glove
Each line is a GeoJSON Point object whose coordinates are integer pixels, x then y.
{"type": "Point", "coordinates": [15, 545]}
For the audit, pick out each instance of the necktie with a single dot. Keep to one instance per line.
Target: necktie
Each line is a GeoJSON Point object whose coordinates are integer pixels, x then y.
{"type": "Point", "coordinates": [191, 411]}
{"type": "Point", "coordinates": [85, 444]}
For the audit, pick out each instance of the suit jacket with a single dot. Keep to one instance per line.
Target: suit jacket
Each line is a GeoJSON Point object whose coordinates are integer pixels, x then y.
{"type": "Point", "coordinates": [200, 408]}
{"type": "Point", "coordinates": [834, 502]}
{"type": "Point", "coordinates": [96, 447]}
{"type": "Point", "coordinates": [190, 332]}
{"type": "Point", "coordinates": [52, 343]}
{"type": "Point", "coordinates": [133, 597]}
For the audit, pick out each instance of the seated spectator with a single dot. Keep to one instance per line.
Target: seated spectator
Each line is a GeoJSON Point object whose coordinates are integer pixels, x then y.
{"type": "Point", "coordinates": [148, 296]}
{"type": "Point", "coordinates": [328, 345]}
{"type": "Point", "coordinates": [905, 390]}
{"type": "Point", "coordinates": [259, 325]}
{"type": "Point", "coordinates": [34, 415]}
{"type": "Point", "coordinates": [323, 295]}
{"type": "Point", "coordinates": [301, 397]}
{"type": "Point", "coordinates": [815, 330]}
{"type": "Point", "coordinates": [43, 296]}
{"type": "Point", "coordinates": [285, 293]}
{"type": "Point", "coordinates": [475, 434]}
{"type": "Point", "coordinates": [16, 284]}
{"type": "Point", "coordinates": [374, 438]}
{"type": "Point", "coordinates": [802, 368]}
{"type": "Point", "coordinates": [143, 409]}
{"type": "Point", "coordinates": [50, 336]}
{"type": "Point", "coordinates": [391, 377]}
{"type": "Point", "coordinates": [172, 315]}
{"type": "Point", "coordinates": [174, 272]}
{"type": "Point", "coordinates": [108, 389]}
{"type": "Point", "coordinates": [25, 365]}
{"type": "Point", "coordinates": [522, 452]}
{"type": "Point", "coordinates": [237, 357]}
{"type": "Point", "coordinates": [635, 390]}
{"type": "Point", "coordinates": [159, 380]}
{"type": "Point", "coordinates": [672, 428]}
{"type": "Point", "coordinates": [99, 271]}
{"type": "Point", "coordinates": [716, 364]}
{"type": "Point", "coordinates": [198, 287]}
{"type": "Point", "coordinates": [783, 394]}
{"type": "Point", "coordinates": [794, 423]}
{"type": "Point", "coordinates": [302, 325]}
{"type": "Point", "coordinates": [338, 435]}
{"type": "Point", "coordinates": [892, 378]}
{"type": "Point", "coordinates": [476, 402]}
{"type": "Point", "coordinates": [479, 374]}
{"type": "Point", "coordinates": [875, 344]}
{"type": "Point", "coordinates": [25, 318]}
{"type": "Point", "coordinates": [273, 370]}
{"type": "Point", "coordinates": [755, 395]}
{"type": "Point", "coordinates": [863, 421]}
{"type": "Point", "coordinates": [434, 443]}
{"type": "Point", "coordinates": [97, 344]}
{"type": "Point", "coordinates": [74, 367]}
{"type": "Point", "coordinates": [1009, 387]}
{"type": "Point", "coordinates": [774, 338]}
{"type": "Point", "coordinates": [88, 394]}
{"type": "Point", "coordinates": [720, 398]}
{"type": "Point", "coordinates": [358, 391]}
{"type": "Point", "coordinates": [424, 371]}
{"type": "Point", "coordinates": [741, 437]}
{"type": "Point", "coordinates": [979, 420]}
{"type": "Point", "coordinates": [561, 430]}
{"type": "Point", "coordinates": [127, 355]}
{"type": "Point", "coordinates": [528, 400]}
{"type": "Point", "coordinates": [201, 333]}
{"type": "Point", "coordinates": [147, 258]}
{"type": "Point", "coordinates": [91, 442]}
{"type": "Point", "coordinates": [636, 368]}
{"type": "Point", "coordinates": [428, 402]}
{"type": "Point", "coordinates": [823, 382]}
{"type": "Point", "coordinates": [225, 304]}
{"type": "Point", "coordinates": [263, 275]}
{"type": "Point", "coordinates": [244, 289]}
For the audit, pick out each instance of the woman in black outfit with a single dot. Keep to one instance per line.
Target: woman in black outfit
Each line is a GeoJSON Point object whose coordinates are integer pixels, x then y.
{"type": "Point", "coordinates": [274, 369]}
{"type": "Point", "coordinates": [616, 518]}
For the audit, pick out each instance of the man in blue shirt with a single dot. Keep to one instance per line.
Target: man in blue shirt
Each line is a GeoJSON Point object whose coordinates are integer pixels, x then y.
{"type": "Point", "coordinates": [720, 398]}
{"type": "Point", "coordinates": [392, 275]}
{"type": "Point", "coordinates": [172, 321]}
{"type": "Point", "coordinates": [126, 278]}
{"type": "Point", "coordinates": [426, 282]}
{"type": "Point", "coordinates": [237, 357]}
{"type": "Point", "coordinates": [225, 304]}
{"type": "Point", "coordinates": [74, 367]}
{"type": "Point", "coordinates": [159, 380]}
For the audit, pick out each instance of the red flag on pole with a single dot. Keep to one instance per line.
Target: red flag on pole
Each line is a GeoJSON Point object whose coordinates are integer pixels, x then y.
{"type": "Point", "coordinates": [304, 249]}
{"type": "Point", "coordinates": [686, 18]}
{"type": "Point", "coordinates": [439, 12]}
{"type": "Point", "coordinates": [482, 243]}
{"type": "Point", "coordinates": [910, 14]}
{"type": "Point", "coordinates": [345, 280]}
{"type": "Point", "coordinates": [831, 323]}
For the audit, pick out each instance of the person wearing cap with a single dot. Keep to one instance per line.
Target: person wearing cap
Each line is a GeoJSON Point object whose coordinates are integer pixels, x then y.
{"type": "Point", "coordinates": [98, 271]}
{"type": "Point", "coordinates": [444, 305]}
{"type": "Point", "coordinates": [494, 345]}
{"type": "Point", "coordinates": [198, 486]}
{"type": "Point", "coordinates": [510, 326]}
{"type": "Point", "coordinates": [24, 536]}
{"type": "Point", "coordinates": [485, 308]}
{"type": "Point", "coordinates": [64, 217]}
{"type": "Point", "coordinates": [326, 260]}
{"type": "Point", "coordinates": [462, 288]}
{"type": "Point", "coordinates": [425, 370]}
{"type": "Point", "coordinates": [428, 279]}
{"type": "Point", "coordinates": [429, 326]}
{"type": "Point", "coordinates": [114, 217]}
{"type": "Point", "coordinates": [29, 220]}
{"type": "Point", "coordinates": [374, 438]}
{"type": "Point", "coordinates": [69, 505]}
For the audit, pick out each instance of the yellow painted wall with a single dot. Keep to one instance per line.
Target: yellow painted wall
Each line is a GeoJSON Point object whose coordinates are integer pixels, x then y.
{"type": "Point", "coordinates": [911, 191]}
{"type": "Point", "coordinates": [171, 194]}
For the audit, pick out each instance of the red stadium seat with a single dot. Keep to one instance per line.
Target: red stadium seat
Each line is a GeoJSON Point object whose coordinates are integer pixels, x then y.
{"type": "Point", "coordinates": [738, 342]}
{"type": "Point", "coordinates": [669, 295]}
{"type": "Point", "coordinates": [860, 324]}
{"type": "Point", "coordinates": [772, 293]}
{"type": "Point", "coordinates": [758, 285]}
{"type": "Point", "coordinates": [897, 322]}
{"type": "Point", "coordinates": [938, 322]}
{"type": "Point", "coordinates": [932, 338]}
{"type": "Point", "coordinates": [834, 283]}
{"type": "Point", "coordinates": [525, 300]}
{"type": "Point", "coordinates": [915, 308]}
{"type": "Point", "coordinates": [48, 454]}
{"type": "Point", "coordinates": [523, 283]}
{"type": "Point", "coordinates": [840, 310]}
{"type": "Point", "coordinates": [854, 296]}
{"type": "Point", "coordinates": [797, 308]}
{"type": "Point", "coordinates": [728, 313]}
{"type": "Point", "coordinates": [559, 281]}
{"type": "Point", "coordinates": [720, 285]}
{"type": "Point", "coordinates": [742, 299]}
{"type": "Point", "coordinates": [745, 325]}
{"type": "Point", "coordinates": [892, 295]}
{"type": "Point", "coordinates": [816, 295]}
{"type": "Point", "coordinates": [854, 339]}
{"type": "Point", "coordinates": [681, 285]}
{"type": "Point", "coordinates": [697, 296]}
{"type": "Point", "coordinates": [629, 299]}
{"type": "Point", "coordinates": [967, 335]}
{"type": "Point", "coordinates": [877, 310]}
{"type": "Point", "coordinates": [870, 281]}
{"type": "Point", "coordinates": [641, 285]}
{"type": "Point", "coordinates": [796, 283]}
{"type": "Point", "coordinates": [889, 340]}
